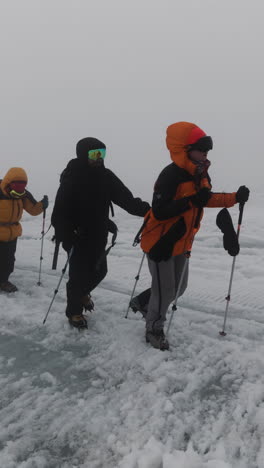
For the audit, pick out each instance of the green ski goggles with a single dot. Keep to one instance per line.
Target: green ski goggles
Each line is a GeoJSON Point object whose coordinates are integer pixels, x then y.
{"type": "Point", "coordinates": [96, 154]}
{"type": "Point", "coordinates": [15, 194]}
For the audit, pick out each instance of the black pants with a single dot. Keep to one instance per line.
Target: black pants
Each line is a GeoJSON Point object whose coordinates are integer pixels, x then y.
{"type": "Point", "coordinates": [7, 259]}
{"type": "Point", "coordinates": [88, 267]}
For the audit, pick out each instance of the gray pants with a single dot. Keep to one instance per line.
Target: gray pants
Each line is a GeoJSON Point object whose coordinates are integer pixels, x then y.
{"type": "Point", "coordinates": [165, 280]}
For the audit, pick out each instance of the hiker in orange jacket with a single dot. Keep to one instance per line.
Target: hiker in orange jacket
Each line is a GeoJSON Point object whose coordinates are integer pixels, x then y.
{"type": "Point", "coordinates": [14, 198]}
{"type": "Point", "coordinates": [181, 192]}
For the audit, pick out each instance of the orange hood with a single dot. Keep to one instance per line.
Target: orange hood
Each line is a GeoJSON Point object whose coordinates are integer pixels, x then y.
{"type": "Point", "coordinates": [14, 174]}
{"type": "Point", "coordinates": [179, 135]}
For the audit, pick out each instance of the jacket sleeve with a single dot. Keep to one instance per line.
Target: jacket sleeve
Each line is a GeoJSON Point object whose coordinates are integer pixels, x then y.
{"type": "Point", "coordinates": [222, 200]}
{"type": "Point", "coordinates": [31, 205]}
{"type": "Point", "coordinates": [163, 204]}
{"type": "Point", "coordinates": [121, 196]}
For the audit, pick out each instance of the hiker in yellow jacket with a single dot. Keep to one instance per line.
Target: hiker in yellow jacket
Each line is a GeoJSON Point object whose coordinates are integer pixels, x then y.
{"type": "Point", "coordinates": [14, 198]}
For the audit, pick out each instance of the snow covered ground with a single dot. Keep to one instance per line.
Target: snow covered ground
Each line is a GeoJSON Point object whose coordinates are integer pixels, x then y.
{"type": "Point", "coordinates": [104, 398]}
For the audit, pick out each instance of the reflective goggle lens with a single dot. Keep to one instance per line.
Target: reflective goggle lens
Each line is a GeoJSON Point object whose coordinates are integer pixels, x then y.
{"type": "Point", "coordinates": [96, 154]}
{"type": "Point", "coordinates": [15, 194]}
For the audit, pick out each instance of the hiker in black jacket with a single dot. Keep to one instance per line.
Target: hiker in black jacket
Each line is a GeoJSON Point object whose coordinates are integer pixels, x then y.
{"type": "Point", "coordinates": [81, 221]}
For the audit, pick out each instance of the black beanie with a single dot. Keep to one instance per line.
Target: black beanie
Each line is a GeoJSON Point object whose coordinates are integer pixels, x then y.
{"type": "Point", "coordinates": [86, 144]}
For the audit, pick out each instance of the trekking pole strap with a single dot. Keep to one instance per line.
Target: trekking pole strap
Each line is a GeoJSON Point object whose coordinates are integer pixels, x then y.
{"type": "Point", "coordinates": [47, 230]}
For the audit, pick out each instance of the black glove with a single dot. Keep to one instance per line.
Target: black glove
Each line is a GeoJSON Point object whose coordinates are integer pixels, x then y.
{"type": "Point", "coordinates": [146, 208]}
{"type": "Point", "coordinates": [230, 240]}
{"type": "Point", "coordinates": [45, 202]}
{"type": "Point", "coordinates": [242, 194]}
{"type": "Point", "coordinates": [69, 241]}
{"type": "Point", "coordinates": [162, 250]}
{"type": "Point", "coordinates": [200, 199]}
{"type": "Point", "coordinates": [67, 245]}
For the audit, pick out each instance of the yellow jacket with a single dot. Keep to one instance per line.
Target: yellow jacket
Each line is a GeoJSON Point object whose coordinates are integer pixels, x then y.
{"type": "Point", "coordinates": [11, 209]}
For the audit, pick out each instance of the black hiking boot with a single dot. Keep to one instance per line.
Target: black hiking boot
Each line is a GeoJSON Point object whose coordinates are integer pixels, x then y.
{"type": "Point", "coordinates": [157, 339]}
{"type": "Point", "coordinates": [78, 321]}
{"type": "Point", "coordinates": [8, 287]}
{"type": "Point", "coordinates": [87, 302]}
{"type": "Point", "coordinates": [136, 306]}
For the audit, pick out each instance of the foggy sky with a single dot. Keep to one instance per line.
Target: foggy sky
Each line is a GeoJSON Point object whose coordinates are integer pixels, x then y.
{"type": "Point", "coordinates": [123, 71]}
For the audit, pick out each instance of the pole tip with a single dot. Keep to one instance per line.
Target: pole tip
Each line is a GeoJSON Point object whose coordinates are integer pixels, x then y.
{"type": "Point", "coordinates": [222, 333]}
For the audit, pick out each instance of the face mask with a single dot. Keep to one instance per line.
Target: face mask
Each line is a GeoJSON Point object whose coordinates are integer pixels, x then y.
{"type": "Point", "coordinates": [202, 166]}
{"type": "Point", "coordinates": [17, 189]}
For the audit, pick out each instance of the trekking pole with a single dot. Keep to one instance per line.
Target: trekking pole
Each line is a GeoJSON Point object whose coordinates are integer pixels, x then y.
{"type": "Point", "coordinates": [174, 307]}
{"type": "Point", "coordinates": [42, 242]}
{"type": "Point", "coordinates": [60, 280]}
{"type": "Point", "coordinates": [136, 278]}
{"type": "Point", "coordinates": [228, 297]}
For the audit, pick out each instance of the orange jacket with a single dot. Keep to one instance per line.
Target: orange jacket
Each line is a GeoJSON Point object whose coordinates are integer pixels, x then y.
{"type": "Point", "coordinates": [178, 135]}
{"type": "Point", "coordinates": [11, 209]}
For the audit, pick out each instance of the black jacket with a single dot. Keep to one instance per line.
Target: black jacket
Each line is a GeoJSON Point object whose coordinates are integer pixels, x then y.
{"type": "Point", "coordinates": [163, 204]}
{"type": "Point", "coordinates": [83, 200]}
